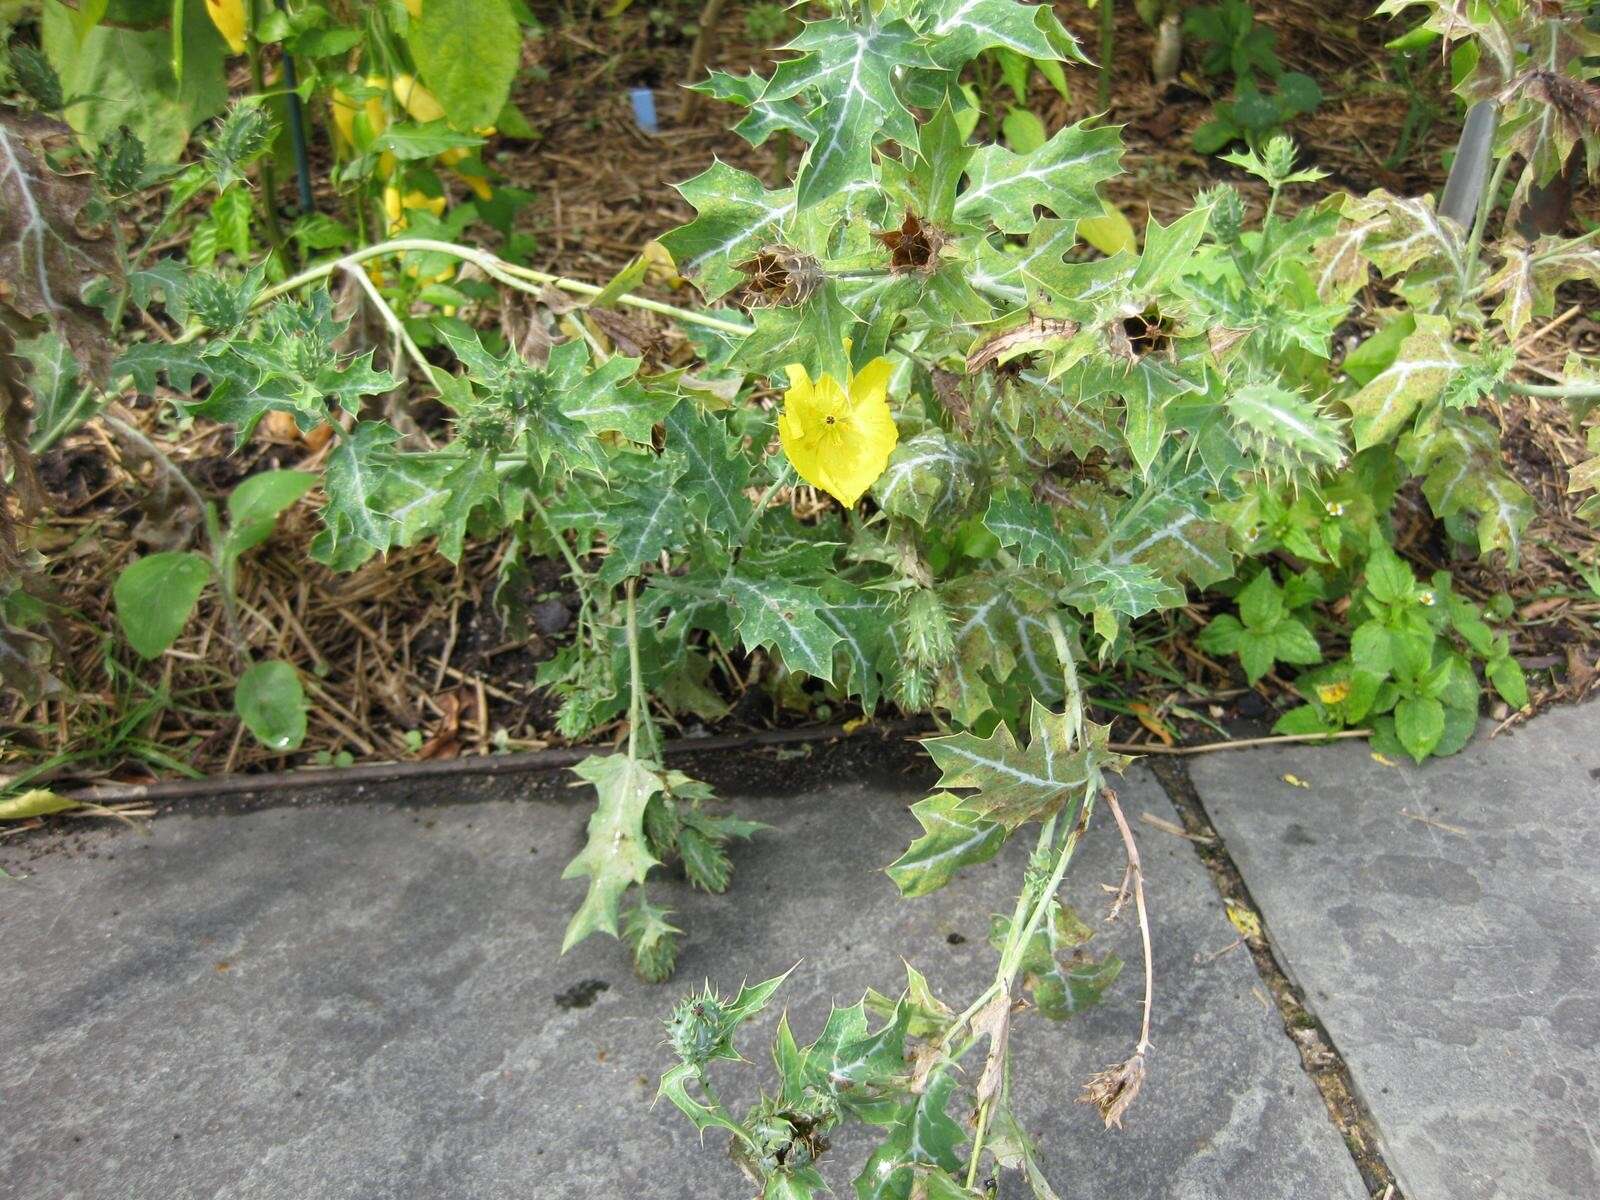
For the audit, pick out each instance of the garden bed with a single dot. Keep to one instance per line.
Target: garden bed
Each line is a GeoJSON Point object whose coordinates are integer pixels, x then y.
{"type": "Point", "coordinates": [410, 657]}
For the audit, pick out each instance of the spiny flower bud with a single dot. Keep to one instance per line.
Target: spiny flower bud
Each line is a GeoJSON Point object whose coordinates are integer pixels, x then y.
{"type": "Point", "coordinates": [121, 162]}
{"type": "Point", "coordinates": [1227, 213]}
{"type": "Point", "coordinates": [695, 1029]}
{"type": "Point", "coordinates": [216, 302]}
{"type": "Point", "coordinates": [37, 78]}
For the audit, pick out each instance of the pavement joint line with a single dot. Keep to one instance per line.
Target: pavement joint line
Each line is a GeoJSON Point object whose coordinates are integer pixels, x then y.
{"type": "Point", "coordinates": [1319, 1056]}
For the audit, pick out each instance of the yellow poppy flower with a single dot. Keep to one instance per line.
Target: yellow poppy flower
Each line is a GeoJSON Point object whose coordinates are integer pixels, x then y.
{"type": "Point", "coordinates": [231, 20]}
{"type": "Point", "coordinates": [838, 436]}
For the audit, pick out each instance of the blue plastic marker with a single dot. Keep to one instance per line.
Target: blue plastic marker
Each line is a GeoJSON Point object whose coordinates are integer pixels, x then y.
{"type": "Point", "coordinates": [644, 109]}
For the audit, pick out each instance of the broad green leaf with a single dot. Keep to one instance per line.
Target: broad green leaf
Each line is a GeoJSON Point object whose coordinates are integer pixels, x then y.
{"type": "Point", "coordinates": [1463, 472]}
{"type": "Point", "coordinates": [675, 1087]}
{"type": "Point", "coordinates": [849, 70]}
{"type": "Point", "coordinates": [125, 77]}
{"type": "Point", "coordinates": [922, 1134]}
{"type": "Point", "coordinates": [155, 596]}
{"type": "Point", "coordinates": [1169, 249]}
{"type": "Point", "coordinates": [644, 517]}
{"type": "Point", "coordinates": [1062, 175]}
{"type": "Point", "coordinates": [354, 478]}
{"type": "Point", "coordinates": [930, 477]}
{"type": "Point", "coordinates": [716, 472]}
{"type": "Point", "coordinates": [952, 838]}
{"type": "Point", "coordinates": [61, 402]}
{"type": "Point", "coordinates": [1529, 275]}
{"type": "Point", "coordinates": [272, 705]}
{"type": "Point", "coordinates": [1064, 981]}
{"type": "Point", "coordinates": [409, 142]}
{"type": "Point", "coordinates": [468, 52]}
{"type": "Point", "coordinates": [1287, 423]}
{"type": "Point", "coordinates": [255, 504]}
{"type": "Point", "coordinates": [146, 362]}
{"type": "Point", "coordinates": [617, 854]}
{"type": "Point", "coordinates": [963, 29]}
{"type": "Point", "coordinates": [1419, 724]}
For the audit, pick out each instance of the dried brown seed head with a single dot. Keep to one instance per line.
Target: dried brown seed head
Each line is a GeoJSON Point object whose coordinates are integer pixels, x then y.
{"type": "Point", "coordinates": [779, 277]}
{"type": "Point", "coordinates": [914, 247]}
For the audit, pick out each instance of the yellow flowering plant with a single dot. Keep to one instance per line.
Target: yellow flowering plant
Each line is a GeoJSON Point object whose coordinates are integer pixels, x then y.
{"type": "Point", "coordinates": [1034, 436]}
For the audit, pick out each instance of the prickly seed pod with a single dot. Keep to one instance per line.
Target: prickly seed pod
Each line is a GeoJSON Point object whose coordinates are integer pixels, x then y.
{"type": "Point", "coordinates": [779, 277]}
{"type": "Point", "coordinates": [914, 247]}
{"type": "Point", "coordinates": [37, 78]}
{"type": "Point", "coordinates": [929, 638]}
{"type": "Point", "coordinates": [695, 1029]}
{"type": "Point", "coordinates": [216, 303]}
{"type": "Point", "coordinates": [1227, 213]}
{"type": "Point", "coordinates": [120, 162]}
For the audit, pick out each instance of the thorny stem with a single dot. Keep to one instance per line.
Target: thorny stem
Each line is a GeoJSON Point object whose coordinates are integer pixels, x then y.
{"type": "Point", "coordinates": [1021, 932]}
{"type": "Point", "coordinates": [498, 268]}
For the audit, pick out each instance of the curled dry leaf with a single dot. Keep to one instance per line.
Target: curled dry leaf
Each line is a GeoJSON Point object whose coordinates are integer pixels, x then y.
{"type": "Point", "coordinates": [1114, 1089]}
{"type": "Point", "coordinates": [993, 1021]}
{"type": "Point", "coordinates": [1034, 335]}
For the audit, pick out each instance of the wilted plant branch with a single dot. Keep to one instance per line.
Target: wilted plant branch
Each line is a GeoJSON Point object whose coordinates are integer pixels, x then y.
{"type": "Point", "coordinates": [499, 269]}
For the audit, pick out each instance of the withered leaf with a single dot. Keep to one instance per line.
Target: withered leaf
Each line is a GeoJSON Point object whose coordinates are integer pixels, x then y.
{"type": "Point", "coordinates": [48, 251]}
{"type": "Point", "coordinates": [1035, 334]}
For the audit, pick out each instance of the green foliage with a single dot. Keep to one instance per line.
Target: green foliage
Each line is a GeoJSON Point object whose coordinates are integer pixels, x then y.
{"type": "Point", "coordinates": [1235, 45]}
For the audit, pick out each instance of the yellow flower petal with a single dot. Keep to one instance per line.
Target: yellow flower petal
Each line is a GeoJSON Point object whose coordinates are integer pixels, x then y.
{"type": "Point", "coordinates": [839, 437]}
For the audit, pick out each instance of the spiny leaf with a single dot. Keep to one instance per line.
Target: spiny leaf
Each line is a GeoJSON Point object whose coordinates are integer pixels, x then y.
{"type": "Point", "coordinates": [952, 838]}
{"type": "Point", "coordinates": [1013, 784]}
{"type": "Point", "coordinates": [1062, 175]}
{"type": "Point", "coordinates": [616, 855]}
{"type": "Point", "coordinates": [785, 617]}
{"type": "Point", "coordinates": [736, 214]}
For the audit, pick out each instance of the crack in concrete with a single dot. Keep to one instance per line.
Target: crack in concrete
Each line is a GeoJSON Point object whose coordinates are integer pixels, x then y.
{"type": "Point", "coordinates": [1319, 1057]}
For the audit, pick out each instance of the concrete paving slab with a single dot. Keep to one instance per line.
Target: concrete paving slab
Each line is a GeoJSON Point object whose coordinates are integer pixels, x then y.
{"type": "Point", "coordinates": [352, 1000]}
{"type": "Point", "coordinates": [1444, 923]}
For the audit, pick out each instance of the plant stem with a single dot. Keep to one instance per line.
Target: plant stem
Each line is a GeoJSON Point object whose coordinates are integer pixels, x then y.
{"type": "Point", "coordinates": [1108, 48]}
{"type": "Point", "coordinates": [269, 175]}
{"type": "Point", "coordinates": [636, 708]}
{"type": "Point", "coordinates": [1554, 391]}
{"type": "Point", "coordinates": [1136, 872]}
{"type": "Point", "coordinates": [507, 273]}
{"type": "Point", "coordinates": [1491, 197]}
{"type": "Point", "coordinates": [761, 506]}
{"type": "Point", "coordinates": [392, 320]}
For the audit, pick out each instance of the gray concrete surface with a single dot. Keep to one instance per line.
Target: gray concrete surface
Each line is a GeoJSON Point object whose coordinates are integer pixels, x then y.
{"type": "Point", "coordinates": [351, 1000]}
{"type": "Point", "coordinates": [1444, 923]}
